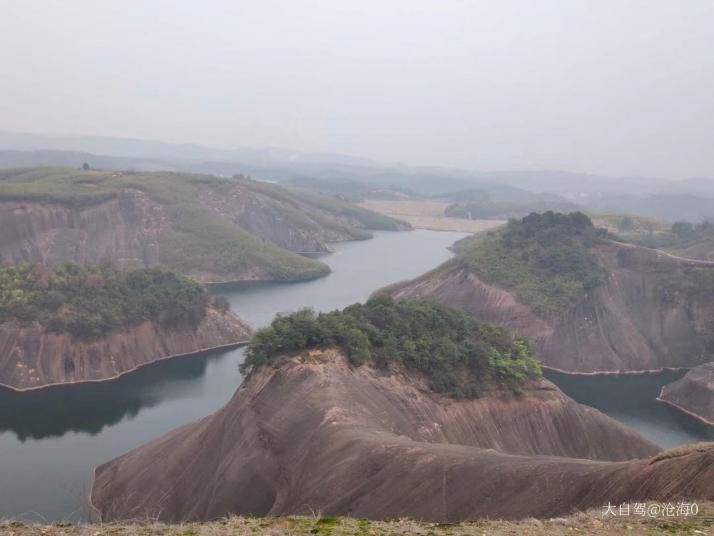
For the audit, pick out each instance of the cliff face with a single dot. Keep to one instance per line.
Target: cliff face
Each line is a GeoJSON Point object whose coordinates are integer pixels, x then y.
{"type": "Point", "coordinates": [32, 358]}
{"type": "Point", "coordinates": [124, 230]}
{"type": "Point", "coordinates": [650, 314]}
{"type": "Point", "coordinates": [289, 221]}
{"type": "Point", "coordinates": [215, 229]}
{"type": "Point", "coordinates": [316, 435]}
{"type": "Point", "coordinates": [694, 393]}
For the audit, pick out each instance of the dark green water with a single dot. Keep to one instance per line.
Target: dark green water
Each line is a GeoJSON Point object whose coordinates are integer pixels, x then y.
{"type": "Point", "coordinates": [51, 440]}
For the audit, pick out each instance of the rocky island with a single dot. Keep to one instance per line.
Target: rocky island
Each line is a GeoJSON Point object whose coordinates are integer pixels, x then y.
{"type": "Point", "coordinates": [77, 324]}
{"type": "Point", "coordinates": [394, 409]}
{"type": "Point", "coordinates": [588, 303]}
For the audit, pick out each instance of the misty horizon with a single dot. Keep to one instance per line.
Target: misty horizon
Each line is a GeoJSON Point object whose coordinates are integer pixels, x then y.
{"type": "Point", "coordinates": [616, 89]}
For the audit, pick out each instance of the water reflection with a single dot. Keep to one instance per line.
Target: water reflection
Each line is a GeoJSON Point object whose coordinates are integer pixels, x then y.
{"type": "Point", "coordinates": [51, 440]}
{"type": "Point", "coordinates": [90, 407]}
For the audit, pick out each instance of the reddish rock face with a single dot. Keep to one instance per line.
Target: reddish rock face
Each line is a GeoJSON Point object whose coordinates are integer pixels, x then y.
{"type": "Point", "coordinates": [124, 230]}
{"type": "Point", "coordinates": [314, 434]}
{"type": "Point", "coordinates": [694, 393]}
{"type": "Point", "coordinates": [31, 358]}
{"type": "Point", "coordinates": [128, 228]}
{"type": "Point", "coordinates": [644, 318]}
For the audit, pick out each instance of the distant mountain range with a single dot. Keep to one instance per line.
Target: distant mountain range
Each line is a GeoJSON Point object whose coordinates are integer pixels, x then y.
{"type": "Point", "coordinates": [335, 173]}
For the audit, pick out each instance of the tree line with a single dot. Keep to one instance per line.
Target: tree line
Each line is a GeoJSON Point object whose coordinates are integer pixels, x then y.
{"type": "Point", "coordinates": [458, 354]}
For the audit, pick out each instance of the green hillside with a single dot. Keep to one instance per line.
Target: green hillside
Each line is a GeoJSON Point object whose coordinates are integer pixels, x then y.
{"type": "Point", "coordinates": [199, 238]}
{"type": "Point", "coordinates": [543, 258]}
{"type": "Point", "coordinates": [89, 302]}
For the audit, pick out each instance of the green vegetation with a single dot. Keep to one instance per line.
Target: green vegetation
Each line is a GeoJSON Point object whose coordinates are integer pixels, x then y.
{"type": "Point", "coordinates": [362, 217]}
{"type": "Point", "coordinates": [89, 302]}
{"type": "Point", "coordinates": [657, 234]}
{"type": "Point", "coordinates": [691, 232]}
{"type": "Point", "coordinates": [198, 240]}
{"type": "Point", "coordinates": [457, 353]}
{"type": "Point", "coordinates": [543, 258]}
{"type": "Point", "coordinates": [591, 522]}
{"type": "Point", "coordinates": [486, 209]}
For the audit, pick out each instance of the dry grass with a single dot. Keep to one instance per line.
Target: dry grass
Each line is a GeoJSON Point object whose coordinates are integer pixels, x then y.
{"type": "Point", "coordinates": [682, 451]}
{"type": "Point", "coordinates": [429, 215]}
{"type": "Point", "coordinates": [590, 523]}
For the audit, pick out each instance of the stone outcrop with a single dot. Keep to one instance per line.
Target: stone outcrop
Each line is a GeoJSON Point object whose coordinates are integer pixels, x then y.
{"type": "Point", "coordinates": [313, 434]}
{"type": "Point", "coordinates": [693, 393]}
{"type": "Point", "coordinates": [32, 358]}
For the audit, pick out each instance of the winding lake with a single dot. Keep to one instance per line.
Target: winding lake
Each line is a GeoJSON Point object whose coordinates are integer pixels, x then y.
{"type": "Point", "coordinates": [52, 439]}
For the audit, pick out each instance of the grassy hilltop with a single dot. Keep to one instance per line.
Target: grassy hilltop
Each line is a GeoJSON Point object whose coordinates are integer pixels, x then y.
{"type": "Point", "coordinates": [203, 233]}
{"type": "Point", "coordinates": [543, 258]}
{"type": "Point", "coordinates": [458, 354]}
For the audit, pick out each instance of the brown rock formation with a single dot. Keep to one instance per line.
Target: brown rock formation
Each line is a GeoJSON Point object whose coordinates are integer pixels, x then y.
{"type": "Point", "coordinates": [124, 230]}
{"type": "Point", "coordinates": [31, 358]}
{"type": "Point", "coordinates": [316, 435]}
{"type": "Point", "coordinates": [295, 222]}
{"type": "Point", "coordinates": [135, 220]}
{"type": "Point", "coordinates": [693, 394]}
{"type": "Point", "coordinates": [649, 315]}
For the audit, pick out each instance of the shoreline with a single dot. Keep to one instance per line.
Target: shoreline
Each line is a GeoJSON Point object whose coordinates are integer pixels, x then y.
{"type": "Point", "coordinates": [229, 346]}
{"type": "Point", "coordinates": [695, 416]}
{"type": "Point", "coordinates": [617, 372]}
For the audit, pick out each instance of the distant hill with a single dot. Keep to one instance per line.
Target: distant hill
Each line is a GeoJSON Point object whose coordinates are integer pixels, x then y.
{"type": "Point", "coordinates": [587, 302]}
{"type": "Point", "coordinates": [216, 229]}
{"type": "Point", "coordinates": [361, 178]}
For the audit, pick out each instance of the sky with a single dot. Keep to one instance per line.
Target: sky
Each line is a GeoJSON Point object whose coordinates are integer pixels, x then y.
{"type": "Point", "coordinates": [618, 87]}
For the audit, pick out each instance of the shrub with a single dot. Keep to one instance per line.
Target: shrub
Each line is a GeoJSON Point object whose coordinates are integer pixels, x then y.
{"type": "Point", "coordinates": [89, 302]}
{"type": "Point", "coordinates": [544, 258]}
{"type": "Point", "coordinates": [457, 353]}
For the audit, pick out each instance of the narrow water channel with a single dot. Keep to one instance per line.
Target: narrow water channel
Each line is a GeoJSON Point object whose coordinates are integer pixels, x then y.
{"type": "Point", "coordinates": [51, 440]}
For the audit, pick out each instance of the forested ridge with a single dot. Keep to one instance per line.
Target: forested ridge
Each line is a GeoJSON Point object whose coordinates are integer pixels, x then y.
{"type": "Point", "coordinates": [458, 354]}
{"type": "Point", "coordinates": [543, 258]}
{"type": "Point", "coordinates": [89, 302]}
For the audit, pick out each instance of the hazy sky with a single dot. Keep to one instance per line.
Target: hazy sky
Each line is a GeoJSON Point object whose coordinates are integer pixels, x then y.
{"type": "Point", "coordinates": [617, 87]}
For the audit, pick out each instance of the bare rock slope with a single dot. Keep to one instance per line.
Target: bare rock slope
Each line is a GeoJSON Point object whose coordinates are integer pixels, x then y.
{"type": "Point", "coordinates": [654, 311]}
{"type": "Point", "coordinates": [314, 434]}
{"type": "Point", "coordinates": [694, 393]}
{"type": "Point", "coordinates": [31, 357]}
{"type": "Point", "coordinates": [215, 229]}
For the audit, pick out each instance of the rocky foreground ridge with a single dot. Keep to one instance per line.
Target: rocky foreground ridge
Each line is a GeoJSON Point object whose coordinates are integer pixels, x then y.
{"type": "Point", "coordinates": [315, 435]}
{"type": "Point", "coordinates": [32, 357]}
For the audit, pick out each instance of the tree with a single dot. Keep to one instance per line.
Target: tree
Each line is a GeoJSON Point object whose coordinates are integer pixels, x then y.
{"type": "Point", "coordinates": [626, 224]}
{"type": "Point", "coordinates": [85, 166]}
{"type": "Point", "coordinates": [683, 229]}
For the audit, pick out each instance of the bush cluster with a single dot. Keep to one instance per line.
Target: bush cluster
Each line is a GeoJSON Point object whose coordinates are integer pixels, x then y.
{"type": "Point", "coordinates": [89, 302]}
{"type": "Point", "coordinates": [544, 258]}
{"type": "Point", "coordinates": [458, 354]}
